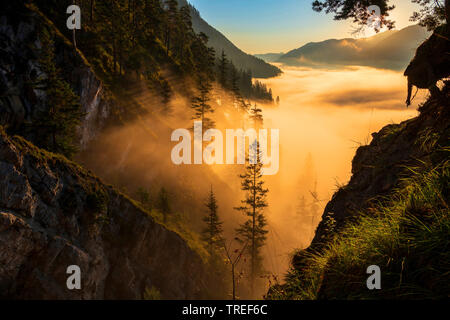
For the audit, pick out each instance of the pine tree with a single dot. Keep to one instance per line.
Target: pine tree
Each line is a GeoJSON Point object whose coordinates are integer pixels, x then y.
{"type": "Point", "coordinates": [144, 197]}
{"type": "Point", "coordinates": [238, 100]}
{"type": "Point", "coordinates": [256, 117]}
{"type": "Point", "coordinates": [253, 230]}
{"type": "Point", "coordinates": [212, 233]}
{"type": "Point", "coordinates": [57, 124]}
{"type": "Point", "coordinates": [163, 204]}
{"type": "Point", "coordinates": [201, 105]}
{"type": "Point", "coordinates": [234, 82]}
{"type": "Point", "coordinates": [223, 70]}
{"type": "Point", "coordinates": [172, 25]}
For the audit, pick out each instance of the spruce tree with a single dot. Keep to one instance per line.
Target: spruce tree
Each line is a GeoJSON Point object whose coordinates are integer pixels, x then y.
{"type": "Point", "coordinates": [57, 124]}
{"type": "Point", "coordinates": [163, 203]}
{"type": "Point", "coordinates": [212, 233]}
{"type": "Point", "coordinates": [238, 100]}
{"type": "Point", "coordinates": [201, 104]}
{"type": "Point", "coordinates": [144, 198]}
{"type": "Point", "coordinates": [223, 70]}
{"type": "Point", "coordinates": [253, 230]}
{"type": "Point", "coordinates": [256, 117]}
{"type": "Point", "coordinates": [234, 82]}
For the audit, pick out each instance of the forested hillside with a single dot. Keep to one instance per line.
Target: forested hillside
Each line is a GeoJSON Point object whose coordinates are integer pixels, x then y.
{"type": "Point", "coordinates": [143, 39]}
{"type": "Point", "coordinates": [243, 61]}
{"type": "Point", "coordinates": [124, 48]}
{"type": "Point", "coordinates": [60, 91]}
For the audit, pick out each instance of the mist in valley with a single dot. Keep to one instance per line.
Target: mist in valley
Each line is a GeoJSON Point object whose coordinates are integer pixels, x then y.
{"type": "Point", "coordinates": [323, 117]}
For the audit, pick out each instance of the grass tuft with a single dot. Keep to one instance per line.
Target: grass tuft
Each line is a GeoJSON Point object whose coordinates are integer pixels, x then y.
{"type": "Point", "coordinates": [408, 237]}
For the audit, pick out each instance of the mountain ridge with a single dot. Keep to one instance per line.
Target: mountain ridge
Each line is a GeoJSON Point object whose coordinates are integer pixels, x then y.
{"type": "Point", "coordinates": [242, 60]}
{"type": "Point", "coordinates": [388, 50]}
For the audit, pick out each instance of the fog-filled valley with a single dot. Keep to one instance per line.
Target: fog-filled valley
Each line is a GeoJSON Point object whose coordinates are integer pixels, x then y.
{"type": "Point", "coordinates": [323, 117]}
{"type": "Point", "coordinates": [145, 155]}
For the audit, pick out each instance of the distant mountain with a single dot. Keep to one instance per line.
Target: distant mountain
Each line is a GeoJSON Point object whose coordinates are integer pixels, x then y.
{"type": "Point", "coordinates": [242, 60]}
{"type": "Point", "coordinates": [388, 50]}
{"type": "Point", "coordinates": [270, 57]}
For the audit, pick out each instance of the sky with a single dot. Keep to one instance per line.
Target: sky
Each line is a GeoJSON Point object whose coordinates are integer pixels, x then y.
{"type": "Point", "coordinates": [269, 26]}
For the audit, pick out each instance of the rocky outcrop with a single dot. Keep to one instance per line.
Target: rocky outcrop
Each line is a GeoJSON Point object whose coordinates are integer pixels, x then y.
{"type": "Point", "coordinates": [21, 99]}
{"type": "Point", "coordinates": [54, 214]}
{"type": "Point", "coordinates": [377, 169]}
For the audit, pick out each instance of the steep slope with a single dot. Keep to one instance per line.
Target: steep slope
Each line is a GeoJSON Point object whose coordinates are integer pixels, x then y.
{"type": "Point", "coordinates": [393, 213]}
{"type": "Point", "coordinates": [219, 42]}
{"type": "Point", "coordinates": [21, 101]}
{"type": "Point", "coordinates": [54, 214]}
{"type": "Point", "coordinates": [389, 50]}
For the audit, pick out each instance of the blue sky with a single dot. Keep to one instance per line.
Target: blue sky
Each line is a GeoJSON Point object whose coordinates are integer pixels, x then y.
{"type": "Point", "coordinates": [262, 26]}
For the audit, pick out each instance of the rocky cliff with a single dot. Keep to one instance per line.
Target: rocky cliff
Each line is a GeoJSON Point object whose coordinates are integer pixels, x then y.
{"type": "Point", "coordinates": [54, 214]}
{"type": "Point", "coordinates": [378, 168]}
{"type": "Point", "coordinates": [393, 213]}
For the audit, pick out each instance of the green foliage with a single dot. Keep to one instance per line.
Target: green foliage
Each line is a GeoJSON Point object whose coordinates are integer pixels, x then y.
{"type": "Point", "coordinates": [212, 233]}
{"type": "Point", "coordinates": [355, 10]}
{"type": "Point", "coordinates": [408, 237]}
{"type": "Point", "coordinates": [431, 14]}
{"type": "Point", "coordinates": [152, 293]}
{"type": "Point", "coordinates": [253, 231]}
{"type": "Point", "coordinates": [428, 139]}
{"type": "Point", "coordinates": [163, 202]}
{"type": "Point", "coordinates": [256, 117]}
{"type": "Point", "coordinates": [174, 222]}
{"type": "Point", "coordinates": [143, 196]}
{"type": "Point", "coordinates": [135, 39]}
{"type": "Point", "coordinates": [223, 70]}
{"type": "Point", "coordinates": [58, 122]}
{"type": "Point", "coordinates": [241, 83]}
{"type": "Point", "coordinates": [97, 200]}
{"type": "Point", "coordinates": [201, 105]}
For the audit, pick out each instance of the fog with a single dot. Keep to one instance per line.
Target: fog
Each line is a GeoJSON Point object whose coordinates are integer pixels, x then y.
{"type": "Point", "coordinates": [323, 116]}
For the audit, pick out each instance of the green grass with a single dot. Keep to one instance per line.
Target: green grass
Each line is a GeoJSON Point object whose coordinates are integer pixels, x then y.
{"type": "Point", "coordinates": [407, 236]}
{"type": "Point", "coordinates": [152, 293]}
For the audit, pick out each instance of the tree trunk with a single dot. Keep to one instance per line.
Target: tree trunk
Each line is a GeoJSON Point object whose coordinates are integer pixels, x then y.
{"type": "Point", "coordinates": [74, 40]}
{"type": "Point", "coordinates": [447, 10]}
{"type": "Point", "coordinates": [74, 34]}
{"type": "Point", "coordinates": [234, 283]}
{"type": "Point", "coordinates": [92, 10]}
{"type": "Point", "coordinates": [114, 57]}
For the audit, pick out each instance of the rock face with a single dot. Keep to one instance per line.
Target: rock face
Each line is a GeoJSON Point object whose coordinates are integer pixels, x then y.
{"type": "Point", "coordinates": [378, 168]}
{"type": "Point", "coordinates": [20, 100]}
{"type": "Point", "coordinates": [54, 214]}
